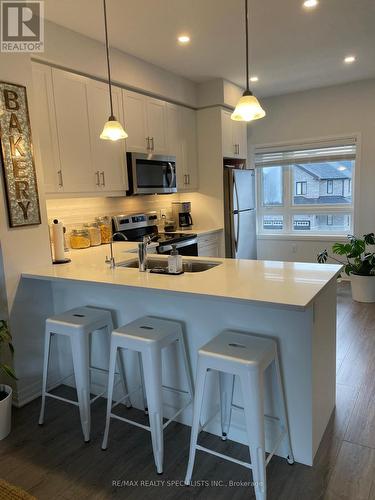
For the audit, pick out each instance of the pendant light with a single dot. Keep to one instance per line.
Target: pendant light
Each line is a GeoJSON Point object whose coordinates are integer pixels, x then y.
{"type": "Point", "coordinates": [248, 107]}
{"type": "Point", "coordinates": [113, 130]}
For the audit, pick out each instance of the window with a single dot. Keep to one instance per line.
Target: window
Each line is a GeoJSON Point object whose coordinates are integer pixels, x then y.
{"type": "Point", "coordinates": [301, 188]}
{"type": "Point", "coordinates": [306, 190]}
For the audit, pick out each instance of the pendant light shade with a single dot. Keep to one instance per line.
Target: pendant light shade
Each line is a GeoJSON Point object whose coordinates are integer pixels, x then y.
{"type": "Point", "coordinates": [248, 107]}
{"type": "Point", "coordinates": [112, 130]}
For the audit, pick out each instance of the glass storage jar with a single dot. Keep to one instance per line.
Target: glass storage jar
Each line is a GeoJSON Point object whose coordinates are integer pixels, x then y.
{"type": "Point", "coordinates": [79, 238]}
{"type": "Point", "coordinates": [105, 226]}
{"type": "Point", "coordinates": [94, 233]}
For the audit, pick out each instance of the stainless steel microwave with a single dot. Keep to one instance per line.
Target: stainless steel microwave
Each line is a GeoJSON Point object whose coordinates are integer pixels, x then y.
{"type": "Point", "coordinates": [151, 174]}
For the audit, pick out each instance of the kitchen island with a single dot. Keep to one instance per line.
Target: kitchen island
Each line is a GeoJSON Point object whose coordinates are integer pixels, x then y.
{"type": "Point", "coordinates": [295, 303]}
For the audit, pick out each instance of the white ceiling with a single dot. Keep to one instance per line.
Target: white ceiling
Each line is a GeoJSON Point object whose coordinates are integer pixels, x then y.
{"type": "Point", "coordinates": [291, 49]}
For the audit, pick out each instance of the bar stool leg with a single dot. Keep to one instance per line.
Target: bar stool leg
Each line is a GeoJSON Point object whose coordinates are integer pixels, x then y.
{"type": "Point", "coordinates": [197, 408]}
{"type": "Point", "coordinates": [226, 381]}
{"type": "Point", "coordinates": [153, 384]}
{"type": "Point", "coordinates": [282, 409]}
{"type": "Point", "coordinates": [252, 391]}
{"type": "Point", "coordinates": [121, 369]}
{"type": "Point", "coordinates": [111, 382]}
{"type": "Point", "coordinates": [144, 399]}
{"type": "Point", "coordinates": [47, 346]}
{"type": "Point", "coordinates": [81, 363]}
{"type": "Point", "coordinates": [186, 365]}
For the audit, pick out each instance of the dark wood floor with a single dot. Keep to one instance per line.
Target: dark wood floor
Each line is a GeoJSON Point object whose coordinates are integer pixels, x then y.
{"type": "Point", "coordinates": [52, 462]}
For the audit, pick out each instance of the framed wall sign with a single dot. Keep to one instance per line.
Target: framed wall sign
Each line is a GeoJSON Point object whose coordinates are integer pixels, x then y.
{"type": "Point", "coordinates": [16, 158]}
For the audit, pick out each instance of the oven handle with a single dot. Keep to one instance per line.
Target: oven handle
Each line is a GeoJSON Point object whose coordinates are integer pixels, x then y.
{"type": "Point", "coordinates": [181, 244]}
{"type": "Point", "coordinates": [170, 166]}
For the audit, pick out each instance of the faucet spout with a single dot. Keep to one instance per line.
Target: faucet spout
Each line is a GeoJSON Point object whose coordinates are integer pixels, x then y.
{"type": "Point", "coordinates": [111, 260]}
{"type": "Point", "coordinates": [142, 253]}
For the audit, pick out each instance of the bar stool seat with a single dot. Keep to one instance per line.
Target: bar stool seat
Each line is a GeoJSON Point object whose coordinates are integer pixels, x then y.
{"type": "Point", "coordinates": [79, 324]}
{"type": "Point", "coordinates": [149, 336]}
{"type": "Point", "coordinates": [247, 357]}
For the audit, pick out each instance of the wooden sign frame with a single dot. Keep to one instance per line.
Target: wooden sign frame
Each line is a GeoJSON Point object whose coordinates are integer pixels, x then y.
{"type": "Point", "coordinates": [17, 157]}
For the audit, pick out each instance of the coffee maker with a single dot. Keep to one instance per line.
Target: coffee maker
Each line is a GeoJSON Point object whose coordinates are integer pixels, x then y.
{"type": "Point", "coordinates": [181, 211]}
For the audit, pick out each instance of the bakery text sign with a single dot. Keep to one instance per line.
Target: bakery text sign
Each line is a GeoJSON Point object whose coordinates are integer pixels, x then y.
{"type": "Point", "coordinates": [16, 157]}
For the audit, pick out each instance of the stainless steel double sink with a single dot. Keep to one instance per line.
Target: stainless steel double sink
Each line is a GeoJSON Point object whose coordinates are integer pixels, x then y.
{"type": "Point", "coordinates": [188, 266]}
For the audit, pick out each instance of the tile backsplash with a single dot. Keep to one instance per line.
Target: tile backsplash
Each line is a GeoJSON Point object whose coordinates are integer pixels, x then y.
{"type": "Point", "coordinates": [76, 211]}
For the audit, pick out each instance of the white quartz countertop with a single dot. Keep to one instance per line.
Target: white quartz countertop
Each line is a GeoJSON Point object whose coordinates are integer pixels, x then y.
{"type": "Point", "coordinates": [287, 284]}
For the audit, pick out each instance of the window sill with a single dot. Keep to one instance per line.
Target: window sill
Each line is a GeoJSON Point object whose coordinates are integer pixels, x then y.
{"type": "Point", "coordinates": [305, 237]}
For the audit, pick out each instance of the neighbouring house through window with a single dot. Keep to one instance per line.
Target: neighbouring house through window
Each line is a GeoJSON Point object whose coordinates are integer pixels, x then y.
{"type": "Point", "coordinates": [306, 190]}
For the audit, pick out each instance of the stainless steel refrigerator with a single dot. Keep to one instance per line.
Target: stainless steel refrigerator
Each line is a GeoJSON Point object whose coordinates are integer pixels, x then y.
{"type": "Point", "coordinates": [240, 213]}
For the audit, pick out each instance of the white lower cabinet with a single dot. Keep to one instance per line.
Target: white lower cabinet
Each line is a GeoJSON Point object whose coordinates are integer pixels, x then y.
{"type": "Point", "coordinates": [209, 244]}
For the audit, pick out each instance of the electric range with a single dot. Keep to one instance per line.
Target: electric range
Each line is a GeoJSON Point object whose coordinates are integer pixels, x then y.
{"type": "Point", "coordinates": [134, 227]}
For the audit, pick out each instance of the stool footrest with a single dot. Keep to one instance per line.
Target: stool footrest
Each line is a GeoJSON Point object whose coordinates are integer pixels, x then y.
{"type": "Point", "coordinates": [132, 422]}
{"type": "Point", "coordinates": [176, 414]}
{"type": "Point", "coordinates": [278, 442]}
{"type": "Point", "coordinates": [224, 457]}
{"type": "Point", "coordinates": [65, 400]}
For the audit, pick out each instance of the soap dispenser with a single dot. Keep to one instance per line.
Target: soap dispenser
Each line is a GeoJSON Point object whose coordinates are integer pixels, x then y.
{"type": "Point", "coordinates": [174, 261]}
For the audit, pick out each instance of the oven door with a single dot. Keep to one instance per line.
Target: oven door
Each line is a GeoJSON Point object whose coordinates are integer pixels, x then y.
{"type": "Point", "coordinates": [188, 247]}
{"type": "Point", "coordinates": [153, 174]}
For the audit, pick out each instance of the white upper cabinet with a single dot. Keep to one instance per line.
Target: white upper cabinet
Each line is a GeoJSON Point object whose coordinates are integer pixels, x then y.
{"type": "Point", "coordinates": [157, 125]}
{"type": "Point", "coordinates": [135, 121]}
{"type": "Point", "coordinates": [182, 142]}
{"type": "Point", "coordinates": [189, 145]}
{"type": "Point", "coordinates": [108, 158]}
{"type": "Point", "coordinates": [46, 126]}
{"type": "Point", "coordinates": [234, 137]}
{"type": "Point", "coordinates": [146, 122]}
{"type": "Point", "coordinates": [73, 132]}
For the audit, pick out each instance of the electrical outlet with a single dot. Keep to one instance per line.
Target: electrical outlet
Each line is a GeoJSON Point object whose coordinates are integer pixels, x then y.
{"type": "Point", "coordinates": [163, 212]}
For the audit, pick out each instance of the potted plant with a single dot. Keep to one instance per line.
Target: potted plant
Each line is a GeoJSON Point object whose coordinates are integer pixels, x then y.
{"type": "Point", "coordinates": [5, 390]}
{"type": "Point", "coordinates": [359, 265]}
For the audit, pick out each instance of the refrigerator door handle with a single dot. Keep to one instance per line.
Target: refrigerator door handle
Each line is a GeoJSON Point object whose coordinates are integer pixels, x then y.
{"type": "Point", "coordinates": [236, 212]}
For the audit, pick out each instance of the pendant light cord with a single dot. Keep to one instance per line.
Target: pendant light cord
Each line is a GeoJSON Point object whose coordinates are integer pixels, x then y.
{"type": "Point", "coordinates": [108, 65]}
{"type": "Point", "coordinates": [247, 45]}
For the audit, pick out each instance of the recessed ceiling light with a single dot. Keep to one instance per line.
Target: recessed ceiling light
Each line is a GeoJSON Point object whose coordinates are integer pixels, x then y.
{"type": "Point", "coordinates": [349, 59]}
{"type": "Point", "coordinates": [254, 78]}
{"type": "Point", "coordinates": [310, 4]}
{"type": "Point", "coordinates": [183, 39]}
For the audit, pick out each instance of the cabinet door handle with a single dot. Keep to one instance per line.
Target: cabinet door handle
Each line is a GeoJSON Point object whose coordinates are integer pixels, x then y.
{"type": "Point", "coordinates": [103, 178]}
{"type": "Point", "coordinates": [97, 178]}
{"type": "Point", "coordinates": [188, 178]}
{"type": "Point", "coordinates": [148, 143]}
{"type": "Point", "coordinates": [61, 182]}
{"type": "Point", "coordinates": [238, 148]}
{"type": "Point", "coordinates": [152, 144]}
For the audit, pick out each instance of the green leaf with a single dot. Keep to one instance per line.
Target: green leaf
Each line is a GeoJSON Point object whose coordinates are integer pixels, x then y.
{"type": "Point", "coordinates": [369, 239]}
{"type": "Point", "coordinates": [9, 371]}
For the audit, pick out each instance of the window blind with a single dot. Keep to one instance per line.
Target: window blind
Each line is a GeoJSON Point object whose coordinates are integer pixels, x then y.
{"type": "Point", "coordinates": [268, 157]}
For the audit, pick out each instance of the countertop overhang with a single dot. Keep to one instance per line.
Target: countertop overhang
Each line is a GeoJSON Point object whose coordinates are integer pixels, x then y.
{"type": "Point", "coordinates": [285, 284]}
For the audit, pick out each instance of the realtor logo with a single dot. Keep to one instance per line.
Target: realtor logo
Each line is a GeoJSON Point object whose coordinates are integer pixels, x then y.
{"type": "Point", "coordinates": [22, 26]}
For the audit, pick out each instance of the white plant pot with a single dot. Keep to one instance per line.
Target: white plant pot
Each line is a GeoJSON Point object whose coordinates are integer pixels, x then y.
{"type": "Point", "coordinates": [5, 412]}
{"type": "Point", "coordinates": [363, 288]}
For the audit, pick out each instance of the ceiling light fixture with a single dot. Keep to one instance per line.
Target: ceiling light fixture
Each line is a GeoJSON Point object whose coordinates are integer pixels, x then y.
{"type": "Point", "coordinates": [349, 59]}
{"type": "Point", "coordinates": [248, 107]}
{"type": "Point", "coordinates": [310, 4]}
{"type": "Point", "coordinates": [254, 79]}
{"type": "Point", "coordinates": [183, 39]}
{"type": "Point", "coordinates": [112, 130]}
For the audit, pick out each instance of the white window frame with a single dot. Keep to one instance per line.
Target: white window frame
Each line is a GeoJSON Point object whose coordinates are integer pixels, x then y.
{"type": "Point", "coordinates": [288, 210]}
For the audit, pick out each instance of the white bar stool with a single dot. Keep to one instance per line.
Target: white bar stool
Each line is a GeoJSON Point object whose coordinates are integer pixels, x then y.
{"type": "Point", "coordinates": [78, 324]}
{"type": "Point", "coordinates": [246, 356]}
{"type": "Point", "coordinates": [148, 336]}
